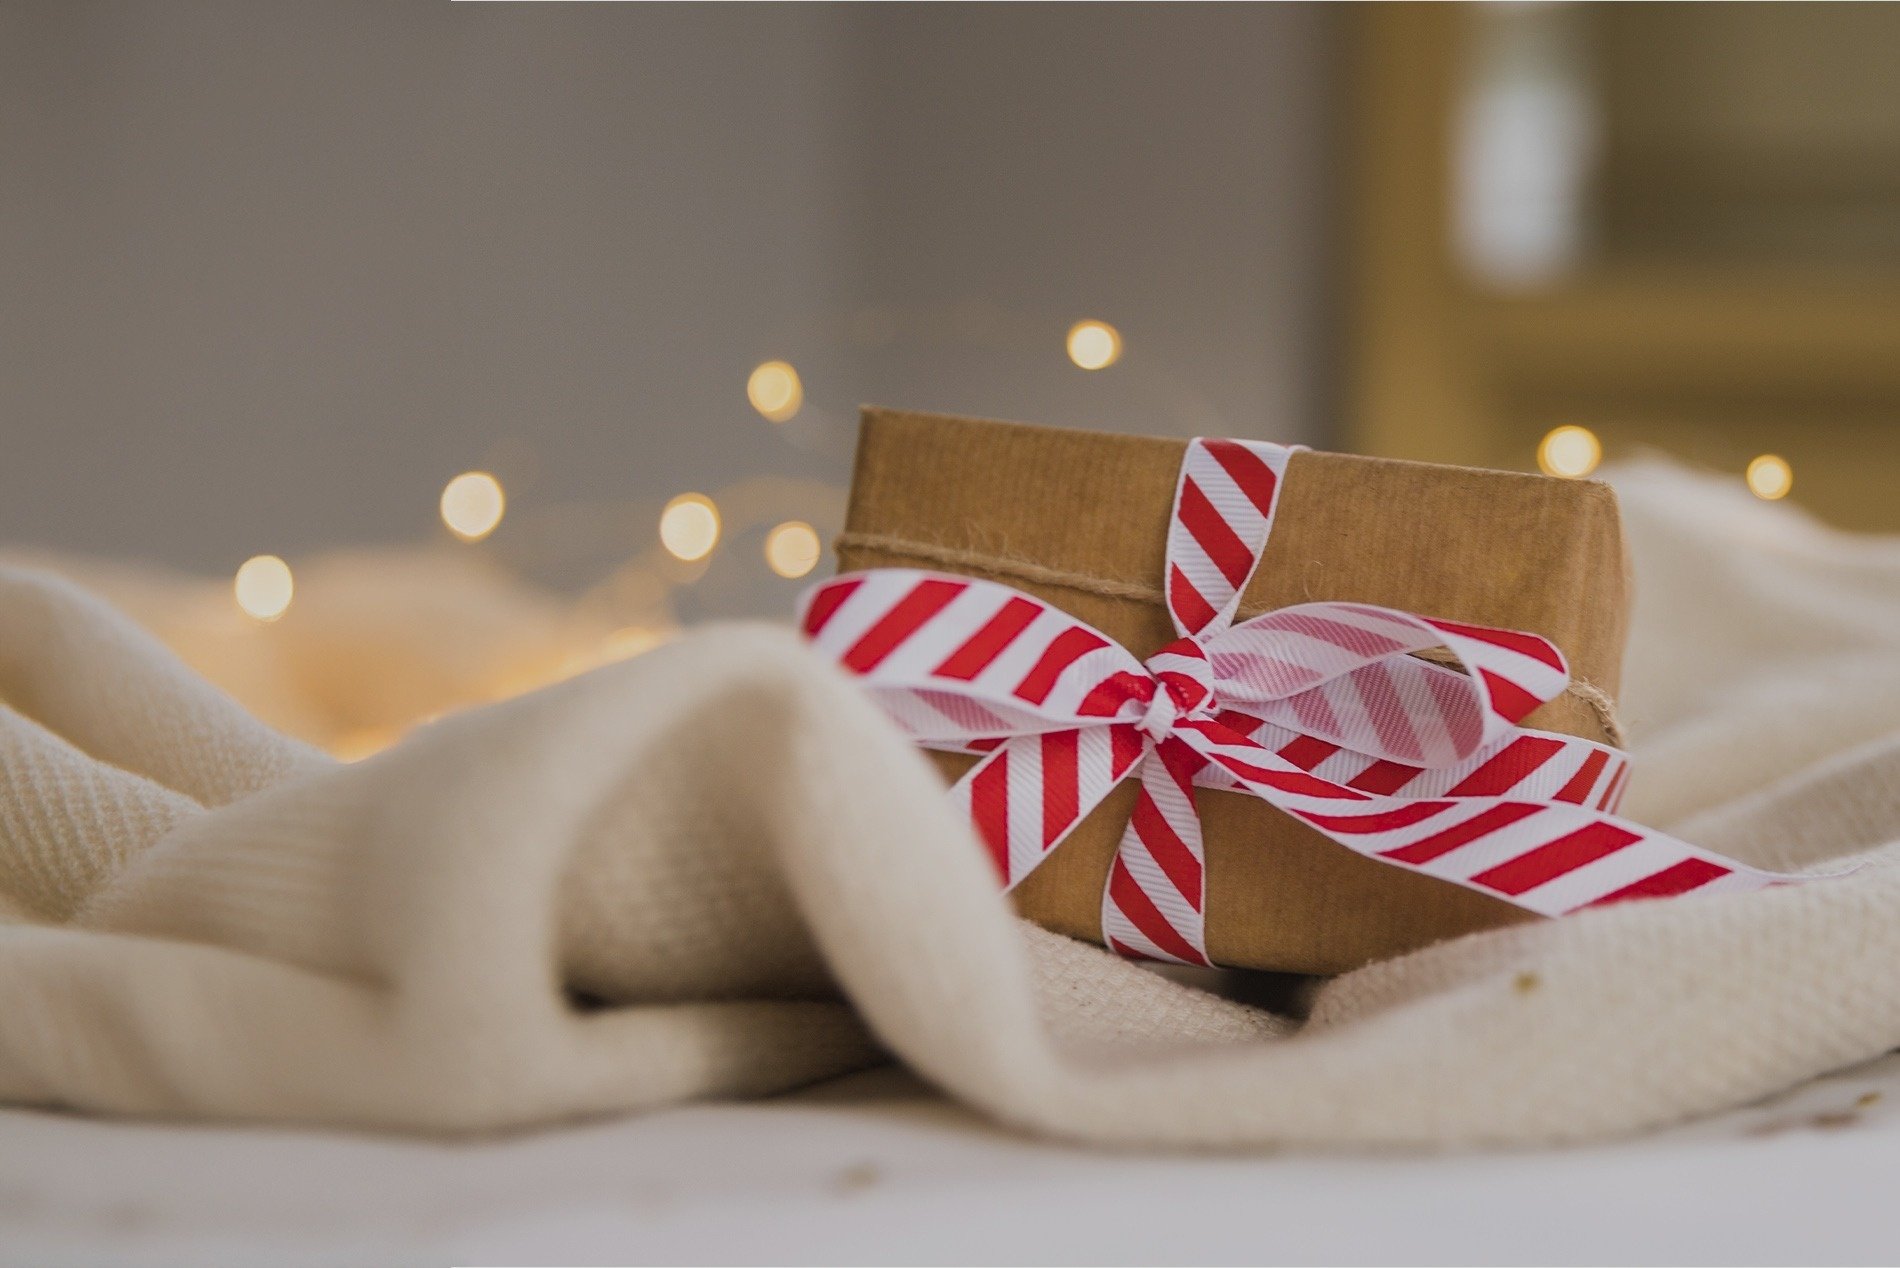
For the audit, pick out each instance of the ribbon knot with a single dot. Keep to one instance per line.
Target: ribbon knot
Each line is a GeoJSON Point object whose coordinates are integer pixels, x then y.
{"type": "Point", "coordinates": [1322, 710]}
{"type": "Point", "coordinates": [1158, 723]}
{"type": "Point", "coordinates": [1184, 688]}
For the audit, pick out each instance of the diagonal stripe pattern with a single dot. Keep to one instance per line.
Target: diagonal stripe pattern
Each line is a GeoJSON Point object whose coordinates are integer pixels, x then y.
{"type": "Point", "coordinates": [1322, 710]}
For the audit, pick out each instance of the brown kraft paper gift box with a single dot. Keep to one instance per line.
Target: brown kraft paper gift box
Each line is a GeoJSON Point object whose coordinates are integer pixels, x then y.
{"type": "Point", "coordinates": [1080, 520]}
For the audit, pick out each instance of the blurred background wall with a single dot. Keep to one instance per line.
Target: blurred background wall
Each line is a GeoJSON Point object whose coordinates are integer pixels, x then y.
{"type": "Point", "coordinates": [1590, 230]}
{"type": "Point", "coordinates": [273, 273]}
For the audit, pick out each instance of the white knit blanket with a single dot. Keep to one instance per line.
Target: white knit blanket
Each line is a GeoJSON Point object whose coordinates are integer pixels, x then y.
{"type": "Point", "coordinates": [752, 883]}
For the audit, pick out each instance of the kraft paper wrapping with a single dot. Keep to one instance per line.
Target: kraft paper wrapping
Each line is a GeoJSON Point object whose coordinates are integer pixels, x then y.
{"type": "Point", "coordinates": [1080, 520]}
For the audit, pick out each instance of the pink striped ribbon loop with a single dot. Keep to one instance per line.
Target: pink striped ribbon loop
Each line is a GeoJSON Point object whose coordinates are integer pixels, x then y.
{"type": "Point", "coordinates": [1323, 710]}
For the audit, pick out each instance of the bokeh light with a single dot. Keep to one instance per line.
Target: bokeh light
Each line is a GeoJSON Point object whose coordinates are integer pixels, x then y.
{"type": "Point", "coordinates": [263, 587]}
{"type": "Point", "coordinates": [472, 505]}
{"type": "Point", "coordinates": [792, 548]}
{"type": "Point", "coordinates": [689, 526]}
{"type": "Point", "coordinates": [1770, 477]}
{"type": "Point", "coordinates": [1094, 345]}
{"type": "Point", "coordinates": [1569, 452]}
{"type": "Point", "coordinates": [775, 391]}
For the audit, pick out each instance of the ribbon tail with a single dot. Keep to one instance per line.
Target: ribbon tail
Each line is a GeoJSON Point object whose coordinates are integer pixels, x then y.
{"type": "Point", "coordinates": [1030, 792]}
{"type": "Point", "coordinates": [1154, 905]}
{"type": "Point", "coordinates": [1549, 857]}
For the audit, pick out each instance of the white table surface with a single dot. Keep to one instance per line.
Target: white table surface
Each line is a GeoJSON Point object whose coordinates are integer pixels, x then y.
{"type": "Point", "coordinates": [876, 1169]}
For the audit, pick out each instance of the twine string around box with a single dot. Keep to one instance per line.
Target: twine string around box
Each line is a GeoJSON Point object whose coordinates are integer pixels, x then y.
{"type": "Point", "coordinates": [1326, 711]}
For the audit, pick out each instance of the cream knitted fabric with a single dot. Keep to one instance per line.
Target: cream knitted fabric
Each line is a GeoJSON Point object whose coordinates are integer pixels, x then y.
{"type": "Point", "coordinates": [714, 870]}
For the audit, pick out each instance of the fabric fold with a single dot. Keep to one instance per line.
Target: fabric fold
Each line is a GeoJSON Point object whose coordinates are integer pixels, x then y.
{"type": "Point", "coordinates": [716, 870]}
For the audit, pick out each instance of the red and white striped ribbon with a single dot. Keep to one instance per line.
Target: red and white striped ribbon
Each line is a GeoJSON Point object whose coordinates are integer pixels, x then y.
{"type": "Point", "coordinates": [1322, 710]}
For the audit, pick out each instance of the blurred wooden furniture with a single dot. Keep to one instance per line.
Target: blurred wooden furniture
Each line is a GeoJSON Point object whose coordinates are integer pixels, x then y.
{"type": "Point", "coordinates": [1735, 288]}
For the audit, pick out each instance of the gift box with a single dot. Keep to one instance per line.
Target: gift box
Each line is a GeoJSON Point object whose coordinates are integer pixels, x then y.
{"type": "Point", "coordinates": [1081, 521]}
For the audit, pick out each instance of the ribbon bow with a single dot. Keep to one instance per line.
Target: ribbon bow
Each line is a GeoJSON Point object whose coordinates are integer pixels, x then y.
{"type": "Point", "coordinates": [1322, 710]}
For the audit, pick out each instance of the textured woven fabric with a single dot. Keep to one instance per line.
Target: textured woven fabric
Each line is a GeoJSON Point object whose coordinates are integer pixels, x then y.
{"type": "Point", "coordinates": [714, 870]}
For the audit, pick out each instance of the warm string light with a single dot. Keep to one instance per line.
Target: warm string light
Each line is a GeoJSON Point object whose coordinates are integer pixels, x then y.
{"type": "Point", "coordinates": [1569, 452]}
{"type": "Point", "coordinates": [689, 526]}
{"type": "Point", "coordinates": [792, 548]}
{"type": "Point", "coordinates": [472, 505]}
{"type": "Point", "coordinates": [1094, 345]}
{"type": "Point", "coordinates": [354, 746]}
{"type": "Point", "coordinates": [1770, 477]}
{"type": "Point", "coordinates": [775, 391]}
{"type": "Point", "coordinates": [263, 587]}
{"type": "Point", "coordinates": [519, 679]}
{"type": "Point", "coordinates": [631, 640]}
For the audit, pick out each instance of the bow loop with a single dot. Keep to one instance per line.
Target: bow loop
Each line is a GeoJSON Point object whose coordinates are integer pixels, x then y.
{"type": "Point", "coordinates": [1348, 673]}
{"type": "Point", "coordinates": [958, 661]}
